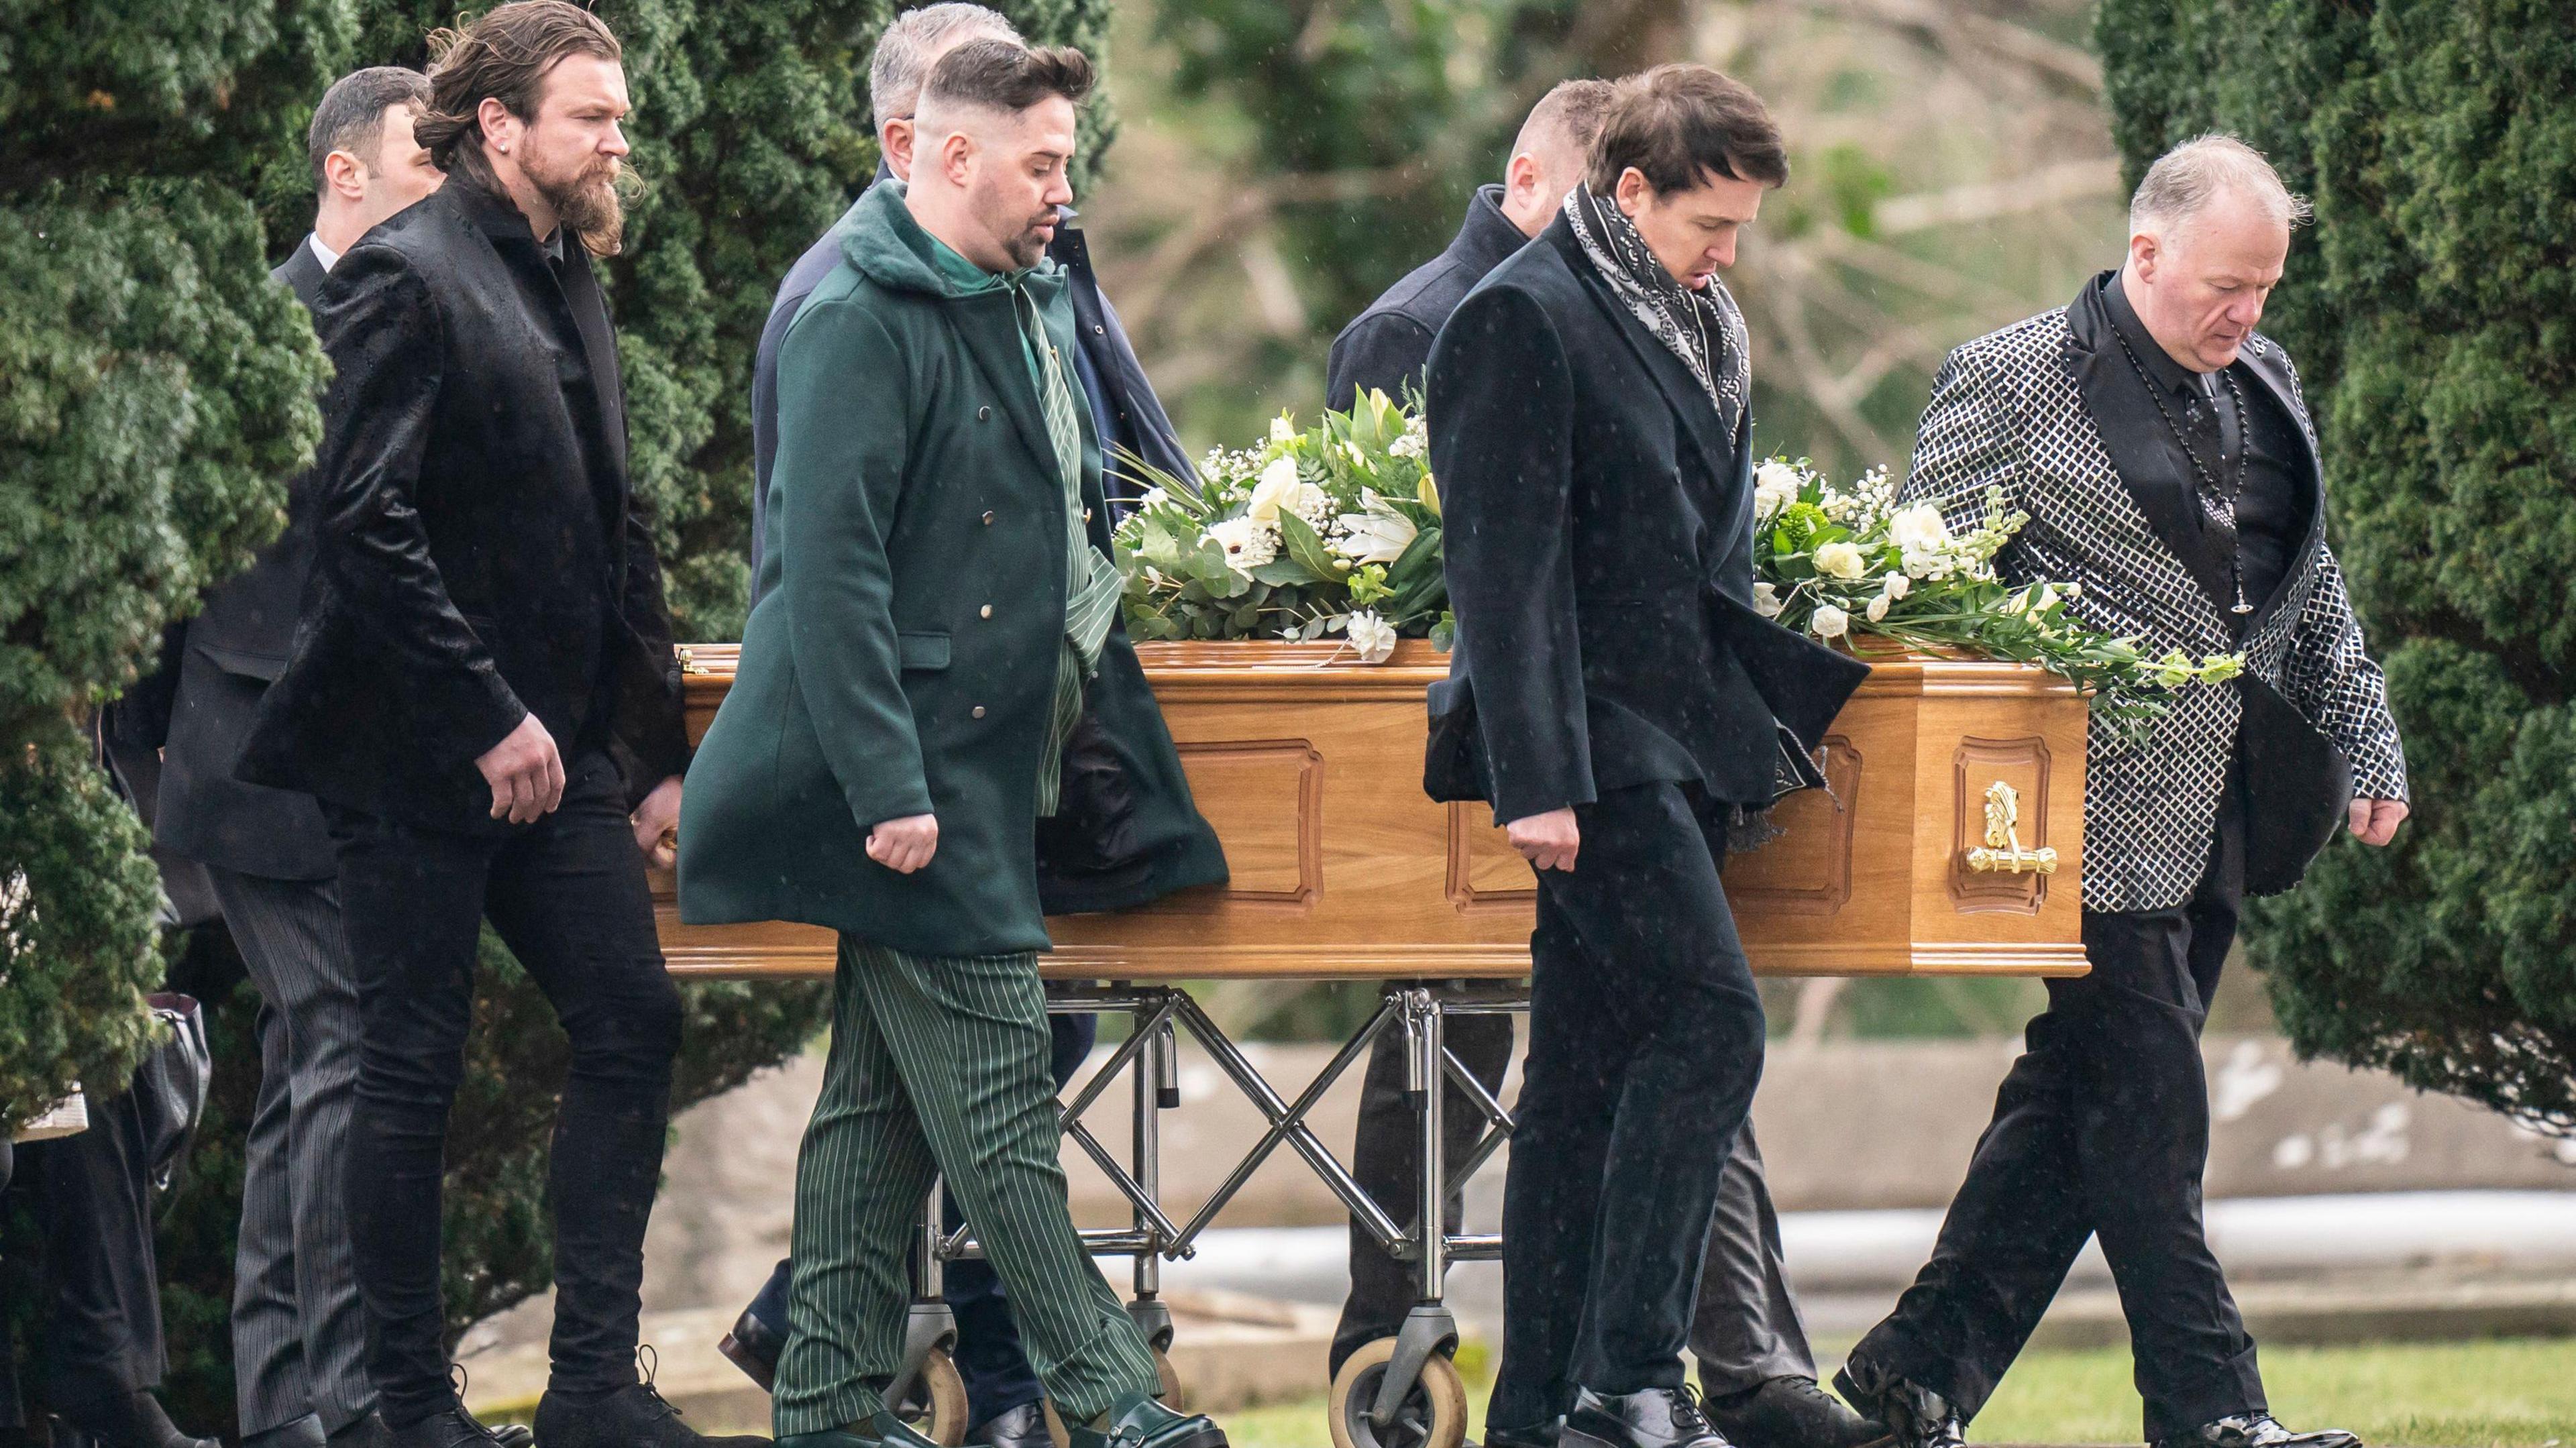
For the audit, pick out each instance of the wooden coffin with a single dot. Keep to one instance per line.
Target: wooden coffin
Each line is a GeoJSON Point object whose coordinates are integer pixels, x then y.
{"type": "Point", "coordinates": [1951, 840]}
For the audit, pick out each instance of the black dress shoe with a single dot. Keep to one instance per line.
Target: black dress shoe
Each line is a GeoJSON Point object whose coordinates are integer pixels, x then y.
{"type": "Point", "coordinates": [1141, 1421]}
{"type": "Point", "coordinates": [1020, 1427]}
{"type": "Point", "coordinates": [754, 1347]}
{"type": "Point", "coordinates": [1791, 1412]}
{"type": "Point", "coordinates": [451, 1428]}
{"type": "Point", "coordinates": [1915, 1416]}
{"type": "Point", "coordinates": [1654, 1418]}
{"type": "Point", "coordinates": [1536, 1435]}
{"type": "Point", "coordinates": [2257, 1430]}
{"type": "Point", "coordinates": [633, 1416]}
{"type": "Point", "coordinates": [127, 1420]}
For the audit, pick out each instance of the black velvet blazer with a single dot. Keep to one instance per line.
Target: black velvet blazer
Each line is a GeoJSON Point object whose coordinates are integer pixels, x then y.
{"type": "Point", "coordinates": [478, 554]}
{"type": "Point", "coordinates": [1599, 537]}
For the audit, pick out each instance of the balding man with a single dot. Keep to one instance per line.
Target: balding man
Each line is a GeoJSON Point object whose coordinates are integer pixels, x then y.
{"type": "Point", "coordinates": [1747, 1335]}
{"type": "Point", "coordinates": [2164, 453]}
{"type": "Point", "coordinates": [1387, 346]}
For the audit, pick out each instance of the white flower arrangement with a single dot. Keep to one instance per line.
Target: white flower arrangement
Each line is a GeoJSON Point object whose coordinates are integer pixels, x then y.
{"type": "Point", "coordinates": [1843, 562]}
{"type": "Point", "coordinates": [1327, 530]}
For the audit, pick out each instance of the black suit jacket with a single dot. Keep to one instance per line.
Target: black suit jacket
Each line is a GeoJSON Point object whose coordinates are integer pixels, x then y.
{"type": "Point", "coordinates": [478, 554]}
{"type": "Point", "coordinates": [1599, 537]}
{"type": "Point", "coordinates": [1388, 346]}
{"type": "Point", "coordinates": [221, 667]}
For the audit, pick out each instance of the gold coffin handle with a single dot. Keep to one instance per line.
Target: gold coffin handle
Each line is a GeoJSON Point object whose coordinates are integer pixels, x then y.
{"type": "Point", "coordinates": [2002, 854]}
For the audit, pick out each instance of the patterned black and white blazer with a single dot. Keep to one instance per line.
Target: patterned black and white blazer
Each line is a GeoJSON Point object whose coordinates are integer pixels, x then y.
{"type": "Point", "coordinates": [2010, 410]}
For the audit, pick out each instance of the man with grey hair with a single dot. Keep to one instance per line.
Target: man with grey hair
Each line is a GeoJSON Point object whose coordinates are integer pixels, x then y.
{"type": "Point", "coordinates": [2163, 451]}
{"type": "Point", "coordinates": [298, 1328]}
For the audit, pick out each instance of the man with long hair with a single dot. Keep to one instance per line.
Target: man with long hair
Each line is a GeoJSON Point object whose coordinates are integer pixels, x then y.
{"type": "Point", "coordinates": [482, 695]}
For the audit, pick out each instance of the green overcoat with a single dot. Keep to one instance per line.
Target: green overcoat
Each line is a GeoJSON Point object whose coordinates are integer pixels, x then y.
{"type": "Point", "coordinates": [904, 651]}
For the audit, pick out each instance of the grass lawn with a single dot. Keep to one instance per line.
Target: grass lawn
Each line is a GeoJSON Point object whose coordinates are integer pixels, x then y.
{"type": "Point", "coordinates": [2509, 1393]}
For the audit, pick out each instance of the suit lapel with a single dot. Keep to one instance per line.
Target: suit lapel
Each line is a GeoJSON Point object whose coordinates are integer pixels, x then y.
{"type": "Point", "coordinates": [2164, 499]}
{"type": "Point", "coordinates": [1689, 401]}
{"type": "Point", "coordinates": [599, 349]}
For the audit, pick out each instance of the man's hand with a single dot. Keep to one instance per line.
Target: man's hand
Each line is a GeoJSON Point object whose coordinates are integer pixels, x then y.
{"type": "Point", "coordinates": [2375, 821]}
{"type": "Point", "coordinates": [657, 824]}
{"type": "Point", "coordinates": [904, 845]}
{"type": "Point", "coordinates": [525, 772]}
{"type": "Point", "coordinates": [1548, 841]}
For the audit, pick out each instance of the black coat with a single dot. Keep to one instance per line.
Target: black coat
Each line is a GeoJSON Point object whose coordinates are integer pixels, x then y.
{"type": "Point", "coordinates": [216, 668]}
{"type": "Point", "coordinates": [1388, 346]}
{"type": "Point", "coordinates": [478, 554]}
{"type": "Point", "coordinates": [1599, 537]}
{"type": "Point", "coordinates": [1126, 831]}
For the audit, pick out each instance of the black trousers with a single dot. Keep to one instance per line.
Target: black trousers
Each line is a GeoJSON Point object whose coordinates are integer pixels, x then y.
{"type": "Point", "coordinates": [1645, 1047]}
{"type": "Point", "coordinates": [998, 1374]}
{"type": "Point", "coordinates": [567, 893]}
{"type": "Point", "coordinates": [99, 1335]}
{"type": "Point", "coordinates": [2100, 1129]}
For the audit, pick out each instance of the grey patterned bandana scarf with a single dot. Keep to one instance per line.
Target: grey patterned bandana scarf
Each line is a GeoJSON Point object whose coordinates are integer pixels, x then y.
{"type": "Point", "coordinates": [1692, 324]}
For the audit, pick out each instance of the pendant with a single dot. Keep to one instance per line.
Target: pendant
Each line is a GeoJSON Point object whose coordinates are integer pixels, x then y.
{"type": "Point", "coordinates": [2242, 607]}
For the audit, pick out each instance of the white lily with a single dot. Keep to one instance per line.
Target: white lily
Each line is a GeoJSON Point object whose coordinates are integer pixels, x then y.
{"type": "Point", "coordinates": [1766, 600]}
{"type": "Point", "coordinates": [1379, 535]}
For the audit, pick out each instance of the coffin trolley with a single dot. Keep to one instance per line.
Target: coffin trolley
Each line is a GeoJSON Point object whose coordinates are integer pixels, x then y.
{"type": "Point", "coordinates": [1949, 841]}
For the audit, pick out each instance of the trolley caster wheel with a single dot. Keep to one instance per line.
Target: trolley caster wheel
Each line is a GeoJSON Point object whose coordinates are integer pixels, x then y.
{"type": "Point", "coordinates": [1434, 1414]}
{"type": "Point", "coordinates": [935, 1405]}
{"type": "Point", "coordinates": [1171, 1395]}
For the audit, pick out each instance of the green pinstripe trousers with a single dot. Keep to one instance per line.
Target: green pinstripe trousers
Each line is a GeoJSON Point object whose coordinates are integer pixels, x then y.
{"type": "Point", "coordinates": [938, 1067]}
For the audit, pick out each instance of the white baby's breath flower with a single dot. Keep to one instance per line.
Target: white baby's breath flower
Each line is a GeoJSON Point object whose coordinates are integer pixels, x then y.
{"type": "Point", "coordinates": [1897, 586]}
{"type": "Point", "coordinates": [1412, 445]}
{"type": "Point", "coordinates": [1248, 542]}
{"type": "Point", "coordinates": [1830, 622]}
{"type": "Point", "coordinates": [1775, 486]}
{"type": "Point", "coordinates": [1766, 600]}
{"type": "Point", "coordinates": [1372, 637]}
{"type": "Point", "coordinates": [1840, 560]}
{"type": "Point", "coordinates": [1919, 529]}
{"type": "Point", "coordinates": [1877, 610]}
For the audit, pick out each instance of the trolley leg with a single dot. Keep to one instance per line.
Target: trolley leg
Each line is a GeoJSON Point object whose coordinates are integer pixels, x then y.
{"type": "Point", "coordinates": [930, 1325]}
{"type": "Point", "coordinates": [1429, 1328]}
{"type": "Point", "coordinates": [1157, 1079]}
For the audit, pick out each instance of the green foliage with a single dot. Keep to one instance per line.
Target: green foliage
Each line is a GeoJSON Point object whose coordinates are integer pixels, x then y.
{"type": "Point", "coordinates": [2433, 312]}
{"type": "Point", "coordinates": [75, 929]}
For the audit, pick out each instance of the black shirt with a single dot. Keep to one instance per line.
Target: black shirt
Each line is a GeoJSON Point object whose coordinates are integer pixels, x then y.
{"type": "Point", "coordinates": [2259, 455]}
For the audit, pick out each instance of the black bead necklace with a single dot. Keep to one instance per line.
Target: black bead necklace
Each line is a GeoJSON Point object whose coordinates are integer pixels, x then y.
{"type": "Point", "coordinates": [2226, 496]}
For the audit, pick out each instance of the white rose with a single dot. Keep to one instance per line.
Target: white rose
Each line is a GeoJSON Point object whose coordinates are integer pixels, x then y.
{"type": "Point", "coordinates": [1877, 609]}
{"type": "Point", "coordinates": [1830, 622]}
{"type": "Point", "coordinates": [1898, 585]}
{"type": "Point", "coordinates": [1248, 542]}
{"type": "Point", "coordinates": [1919, 529]}
{"type": "Point", "coordinates": [1274, 490]}
{"type": "Point", "coordinates": [1775, 486]}
{"type": "Point", "coordinates": [1840, 560]}
{"type": "Point", "coordinates": [1372, 637]}
{"type": "Point", "coordinates": [1766, 600]}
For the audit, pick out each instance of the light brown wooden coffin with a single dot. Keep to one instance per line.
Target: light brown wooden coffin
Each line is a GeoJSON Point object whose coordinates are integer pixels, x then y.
{"type": "Point", "coordinates": [1309, 765]}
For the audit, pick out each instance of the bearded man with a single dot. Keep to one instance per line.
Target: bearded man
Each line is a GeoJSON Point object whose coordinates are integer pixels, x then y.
{"type": "Point", "coordinates": [482, 695]}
